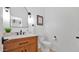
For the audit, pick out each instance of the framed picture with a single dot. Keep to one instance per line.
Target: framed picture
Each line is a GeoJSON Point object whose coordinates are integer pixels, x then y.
{"type": "Point", "coordinates": [39, 20]}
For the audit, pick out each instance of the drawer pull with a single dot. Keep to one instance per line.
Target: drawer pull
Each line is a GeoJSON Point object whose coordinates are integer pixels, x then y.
{"type": "Point", "coordinates": [23, 43]}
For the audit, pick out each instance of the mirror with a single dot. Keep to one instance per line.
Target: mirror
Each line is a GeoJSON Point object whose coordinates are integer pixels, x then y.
{"type": "Point", "coordinates": [19, 17]}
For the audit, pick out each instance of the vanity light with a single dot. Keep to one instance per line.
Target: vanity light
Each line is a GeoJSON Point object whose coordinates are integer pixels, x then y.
{"type": "Point", "coordinates": [6, 17]}
{"type": "Point", "coordinates": [30, 19]}
{"type": "Point", "coordinates": [29, 14]}
{"type": "Point", "coordinates": [7, 9]}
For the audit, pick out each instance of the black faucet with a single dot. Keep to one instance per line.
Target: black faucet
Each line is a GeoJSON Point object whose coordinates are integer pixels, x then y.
{"type": "Point", "coordinates": [20, 32]}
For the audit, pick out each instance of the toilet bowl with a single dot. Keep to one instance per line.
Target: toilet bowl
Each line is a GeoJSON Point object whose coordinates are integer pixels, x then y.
{"type": "Point", "coordinates": [45, 45]}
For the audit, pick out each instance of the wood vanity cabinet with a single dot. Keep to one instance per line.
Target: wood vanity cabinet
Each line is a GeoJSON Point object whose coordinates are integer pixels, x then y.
{"type": "Point", "coordinates": [26, 44]}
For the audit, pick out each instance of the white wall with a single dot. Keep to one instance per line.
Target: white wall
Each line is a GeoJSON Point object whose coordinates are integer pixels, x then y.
{"type": "Point", "coordinates": [64, 23]}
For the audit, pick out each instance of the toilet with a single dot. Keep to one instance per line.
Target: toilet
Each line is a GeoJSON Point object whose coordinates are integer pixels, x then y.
{"type": "Point", "coordinates": [44, 44]}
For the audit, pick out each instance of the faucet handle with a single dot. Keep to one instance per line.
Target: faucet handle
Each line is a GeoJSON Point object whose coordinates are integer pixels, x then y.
{"type": "Point", "coordinates": [24, 33]}
{"type": "Point", "coordinates": [17, 33]}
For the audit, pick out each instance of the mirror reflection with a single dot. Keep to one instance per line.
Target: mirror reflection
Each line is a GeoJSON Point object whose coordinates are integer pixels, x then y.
{"type": "Point", "coordinates": [19, 17]}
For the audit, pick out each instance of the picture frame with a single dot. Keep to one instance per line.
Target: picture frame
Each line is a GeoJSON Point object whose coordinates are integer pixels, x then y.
{"type": "Point", "coordinates": [39, 20]}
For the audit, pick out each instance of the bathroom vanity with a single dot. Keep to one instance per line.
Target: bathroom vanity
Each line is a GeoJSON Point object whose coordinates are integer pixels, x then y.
{"type": "Point", "coordinates": [18, 33]}
{"type": "Point", "coordinates": [21, 44]}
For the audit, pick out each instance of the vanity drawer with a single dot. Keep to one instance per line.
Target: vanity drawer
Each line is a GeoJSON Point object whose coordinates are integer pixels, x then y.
{"type": "Point", "coordinates": [12, 41]}
{"type": "Point", "coordinates": [19, 49]}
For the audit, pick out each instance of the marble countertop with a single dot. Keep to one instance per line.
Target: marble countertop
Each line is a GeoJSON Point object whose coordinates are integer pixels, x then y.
{"type": "Point", "coordinates": [19, 36]}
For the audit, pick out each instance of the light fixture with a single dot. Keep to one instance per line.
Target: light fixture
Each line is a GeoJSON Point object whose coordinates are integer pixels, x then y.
{"type": "Point", "coordinates": [30, 19]}
{"type": "Point", "coordinates": [29, 14]}
{"type": "Point", "coordinates": [7, 9]}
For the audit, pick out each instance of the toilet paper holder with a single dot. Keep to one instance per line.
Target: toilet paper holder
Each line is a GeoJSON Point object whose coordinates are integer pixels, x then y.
{"type": "Point", "coordinates": [77, 37]}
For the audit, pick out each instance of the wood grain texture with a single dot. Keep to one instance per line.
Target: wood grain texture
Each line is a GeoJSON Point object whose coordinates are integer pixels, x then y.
{"type": "Point", "coordinates": [27, 44]}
